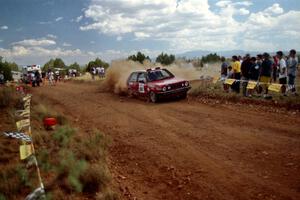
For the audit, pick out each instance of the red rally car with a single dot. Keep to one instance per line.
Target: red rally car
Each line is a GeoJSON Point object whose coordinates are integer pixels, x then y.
{"type": "Point", "coordinates": [156, 84]}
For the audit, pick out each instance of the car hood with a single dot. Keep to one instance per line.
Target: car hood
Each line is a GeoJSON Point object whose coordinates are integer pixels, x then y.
{"type": "Point", "coordinates": [167, 81]}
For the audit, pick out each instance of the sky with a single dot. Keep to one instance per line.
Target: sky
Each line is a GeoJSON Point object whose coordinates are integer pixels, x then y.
{"type": "Point", "coordinates": [33, 31]}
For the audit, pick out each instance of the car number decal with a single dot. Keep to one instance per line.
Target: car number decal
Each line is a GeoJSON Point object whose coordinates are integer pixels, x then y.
{"type": "Point", "coordinates": [141, 88]}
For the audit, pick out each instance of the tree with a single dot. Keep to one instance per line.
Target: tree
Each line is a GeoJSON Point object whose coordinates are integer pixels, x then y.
{"type": "Point", "coordinates": [5, 67]}
{"type": "Point", "coordinates": [165, 59]}
{"type": "Point", "coordinates": [96, 63]}
{"type": "Point", "coordinates": [76, 66]}
{"type": "Point", "coordinates": [210, 58]}
{"type": "Point", "coordinates": [57, 63]}
{"type": "Point", "coordinates": [140, 57]}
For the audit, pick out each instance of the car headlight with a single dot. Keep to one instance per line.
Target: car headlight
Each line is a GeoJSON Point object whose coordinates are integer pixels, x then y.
{"type": "Point", "coordinates": [186, 84]}
{"type": "Point", "coordinates": [164, 89]}
{"type": "Point", "coordinates": [169, 87]}
{"type": "Point", "coordinates": [182, 84]}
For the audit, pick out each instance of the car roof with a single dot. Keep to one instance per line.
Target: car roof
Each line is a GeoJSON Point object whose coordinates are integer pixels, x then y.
{"type": "Point", "coordinates": [149, 69]}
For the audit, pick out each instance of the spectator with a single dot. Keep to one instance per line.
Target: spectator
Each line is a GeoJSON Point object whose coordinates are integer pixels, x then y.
{"type": "Point", "coordinates": [33, 79]}
{"type": "Point", "coordinates": [93, 72]}
{"type": "Point", "coordinates": [224, 68]}
{"type": "Point", "coordinates": [236, 66]}
{"type": "Point", "coordinates": [265, 72]}
{"type": "Point", "coordinates": [2, 80]}
{"type": "Point", "coordinates": [282, 72]}
{"type": "Point", "coordinates": [259, 60]}
{"type": "Point", "coordinates": [245, 68]}
{"type": "Point", "coordinates": [274, 68]}
{"type": "Point", "coordinates": [292, 64]}
{"type": "Point", "coordinates": [37, 78]}
{"type": "Point", "coordinates": [253, 73]}
{"type": "Point", "coordinates": [51, 77]}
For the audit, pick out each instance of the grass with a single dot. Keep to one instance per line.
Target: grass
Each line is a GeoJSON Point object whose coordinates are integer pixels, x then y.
{"type": "Point", "coordinates": [8, 97]}
{"type": "Point", "coordinates": [208, 90]}
{"type": "Point", "coordinates": [72, 164]}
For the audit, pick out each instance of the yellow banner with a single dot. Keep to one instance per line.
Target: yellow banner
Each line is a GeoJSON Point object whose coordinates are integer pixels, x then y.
{"type": "Point", "coordinates": [23, 113]}
{"type": "Point", "coordinates": [229, 81]}
{"type": "Point", "coordinates": [26, 98]}
{"type": "Point", "coordinates": [275, 87]}
{"type": "Point", "coordinates": [22, 123]}
{"type": "Point", "coordinates": [27, 104]}
{"type": "Point", "coordinates": [25, 151]}
{"type": "Point", "coordinates": [251, 85]}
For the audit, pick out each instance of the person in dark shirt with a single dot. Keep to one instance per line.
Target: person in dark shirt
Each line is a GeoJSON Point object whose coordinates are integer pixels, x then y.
{"type": "Point", "coordinates": [245, 68]}
{"type": "Point", "coordinates": [37, 78]}
{"type": "Point", "coordinates": [224, 68]}
{"type": "Point", "coordinates": [265, 72]}
{"type": "Point", "coordinates": [253, 74]}
{"type": "Point", "coordinates": [254, 70]}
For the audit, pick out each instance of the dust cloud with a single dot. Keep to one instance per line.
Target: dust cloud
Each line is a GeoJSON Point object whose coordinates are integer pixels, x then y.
{"type": "Point", "coordinates": [119, 71]}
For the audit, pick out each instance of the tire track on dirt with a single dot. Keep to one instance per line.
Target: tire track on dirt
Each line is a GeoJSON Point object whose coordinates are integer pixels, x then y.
{"type": "Point", "coordinates": [186, 150]}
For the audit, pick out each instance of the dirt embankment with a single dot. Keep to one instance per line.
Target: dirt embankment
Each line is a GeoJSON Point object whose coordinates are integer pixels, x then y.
{"type": "Point", "coordinates": [188, 150]}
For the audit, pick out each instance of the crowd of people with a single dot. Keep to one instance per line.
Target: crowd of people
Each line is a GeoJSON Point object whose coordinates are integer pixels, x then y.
{"type": "Point", "coordinates": [100, 71]}
{"type": "Point", "coordinates": [262, 69]}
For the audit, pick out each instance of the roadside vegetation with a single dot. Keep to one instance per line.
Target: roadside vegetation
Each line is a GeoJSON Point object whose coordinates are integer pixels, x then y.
{"type": "Point", "coordinates": [206, 91]}
{"type": "Point", "coordinates": [73, 164]}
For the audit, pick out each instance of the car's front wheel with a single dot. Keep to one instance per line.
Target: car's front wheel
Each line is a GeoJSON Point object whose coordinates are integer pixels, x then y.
{"type": "Point", "coordinates": [153, 97]}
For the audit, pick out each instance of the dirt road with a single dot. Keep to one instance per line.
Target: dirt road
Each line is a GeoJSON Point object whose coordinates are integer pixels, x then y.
{"type": "Point", "coordinates": [187, 150]}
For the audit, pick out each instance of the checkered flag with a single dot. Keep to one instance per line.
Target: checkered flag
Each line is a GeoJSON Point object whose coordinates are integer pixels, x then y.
{"type": "Point", "coordinates": [17, 135]}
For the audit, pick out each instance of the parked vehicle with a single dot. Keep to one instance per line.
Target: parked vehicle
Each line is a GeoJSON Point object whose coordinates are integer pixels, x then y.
{"type": "Point", "coordinates": [156, 84]}
{"type": "Point", "coordinates": [28, 71]}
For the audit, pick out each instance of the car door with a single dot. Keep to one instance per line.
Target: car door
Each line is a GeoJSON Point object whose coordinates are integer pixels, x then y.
{"type": "Point", "coordinates": [142, 84]}
{"type": "Point", "coordinates": [132, 83]}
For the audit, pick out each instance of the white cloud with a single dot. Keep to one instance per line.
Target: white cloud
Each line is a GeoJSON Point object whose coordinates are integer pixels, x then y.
{"type": "Point", "coordinates": [4, 27]}
{"type": "Point", "coordinates": [244, 3]}
{"type": "Point", "coordinates": [92, 42]}
{"type": "Point", "coordinates": [223, 3]}
{"type": "Point", "coordinates": [1, 40]}
{"type": "Point", "coordinates": [44, 23]}
{"type": "Point", "coordinates": [65, 44]}
{"type": "Point", "coordinates": [58, 19]}
{"type": "Point", "coordinates": [51, 36]}
{"type": "Point", "coordinates": [243, 11]}
{"type": "Point", "coordinates": [35, 42]}
{"type": "Point", "coordinates": [274, 9]}
{"type": "Point", "coordinates": [119, 38]}
{"type": "Point", "coordinates": [79, 18]}
{"type": "Point", "coordinates": [191, 24]}
{"type": "Point", "coordinates": [40, 55]}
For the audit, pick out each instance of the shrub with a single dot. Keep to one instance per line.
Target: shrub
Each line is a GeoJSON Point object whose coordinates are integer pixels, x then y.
{"type": "Point", "coordinates": [93, 147]}
{"type": "Point", "coordinates": [63, 135]}
{"type": "Point", "coordinates": [71, 168]}
{"type": "Point", "coordinates": [95, 177]}
{"type": "Point", "coordinates": [8, 96]}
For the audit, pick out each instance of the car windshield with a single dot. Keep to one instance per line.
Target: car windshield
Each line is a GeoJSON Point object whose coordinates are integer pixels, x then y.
{"type": "Point", "coordinates": [159, 75]}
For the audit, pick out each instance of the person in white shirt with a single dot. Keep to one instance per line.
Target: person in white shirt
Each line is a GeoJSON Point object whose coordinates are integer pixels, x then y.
{"type": "Point", "coordinates": [282, 72]}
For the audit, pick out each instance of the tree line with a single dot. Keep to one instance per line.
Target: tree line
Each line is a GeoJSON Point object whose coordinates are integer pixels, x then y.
{"type": "Point", "coordinates": [7, 67]}
{"type": "Point", "coordinates": [162, 58]}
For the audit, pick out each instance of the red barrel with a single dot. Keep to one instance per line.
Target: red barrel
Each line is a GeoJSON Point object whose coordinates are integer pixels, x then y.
{"type": "Point", "coordinates": [49, 122]}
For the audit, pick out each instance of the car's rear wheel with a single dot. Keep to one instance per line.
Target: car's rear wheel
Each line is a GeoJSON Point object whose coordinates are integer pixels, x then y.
{"type": "Point", "coordinates": [153, 97]}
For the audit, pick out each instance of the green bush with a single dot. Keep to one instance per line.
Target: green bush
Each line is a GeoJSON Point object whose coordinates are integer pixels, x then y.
{"type": "Point", "coordinates": [71, 168]}
{"type": "Point", "coordinates": [63, 135]}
